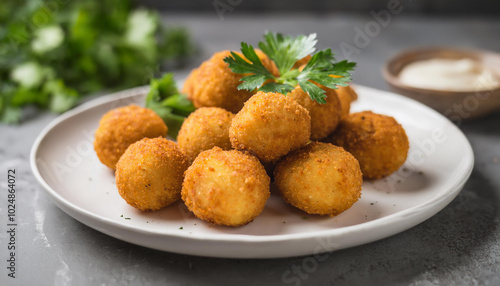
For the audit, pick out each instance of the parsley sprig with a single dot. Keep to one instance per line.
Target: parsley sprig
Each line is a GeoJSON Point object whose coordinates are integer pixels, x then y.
{"type": "Point", "coordinates": [164, 99]}
{"type": "Point", "coordinates": [285, 51]}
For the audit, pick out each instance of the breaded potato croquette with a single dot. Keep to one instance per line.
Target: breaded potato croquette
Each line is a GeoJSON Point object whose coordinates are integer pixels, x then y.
{"type": "Point", "coordinates": [204, 129]}
{"type": "Point", "coordinates": [226, 187]}
{"type": "Point", "coordinates": [270, 125]}
{"type": "Point", "coordinates": [324, 117]}
{"type": "Point", "coordinates": [346, 95]}
{"type": "Point", "coordinates": [213, 84]}
{"type": "Point", "coordinates": [149, 175]}
{"type": "Point", "coordinates": [349, 91]}
{"type": "Point", "coordinates": [319, 179]}
{"type": "Point", "coordinates": [378, 141]}
{"type": "Point", "coordinates": [120, 127]}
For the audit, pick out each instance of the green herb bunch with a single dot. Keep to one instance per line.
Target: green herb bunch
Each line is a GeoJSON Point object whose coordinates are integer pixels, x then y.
{"type": "Point", "coordinates": [166, 101]}
{"type": "Point", "coordinates": [285, 51]}
{"type": "Point", "coordinates": [54, 52]}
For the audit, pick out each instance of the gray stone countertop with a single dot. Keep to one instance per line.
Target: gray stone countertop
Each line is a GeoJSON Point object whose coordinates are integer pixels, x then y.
{"type": "Point", "coordinates": [458, 246]}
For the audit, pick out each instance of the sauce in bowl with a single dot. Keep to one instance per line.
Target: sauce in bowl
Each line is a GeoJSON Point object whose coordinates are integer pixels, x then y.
{"type": "Point", "coordinates": [449, 75]}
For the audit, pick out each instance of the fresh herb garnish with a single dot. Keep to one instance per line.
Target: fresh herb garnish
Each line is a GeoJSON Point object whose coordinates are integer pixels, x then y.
{"type": "Point", "coordinates": [285, 51]}
{"type": "Point", "coordinates": [172, 106]}
{"type": "Point", "coordinates": [52, 54]}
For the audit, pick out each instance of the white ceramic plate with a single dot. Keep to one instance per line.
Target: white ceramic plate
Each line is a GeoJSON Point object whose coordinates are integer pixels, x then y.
{"type": "Point", "coordinates": [439, 163]}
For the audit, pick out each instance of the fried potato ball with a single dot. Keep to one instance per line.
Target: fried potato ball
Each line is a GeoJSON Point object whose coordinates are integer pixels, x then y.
{"type": "Point", "coordinates": [120, 127]}
{"type": "Point", "coordinates": [204, 129]}
{"type": "Point", "coordinates": [379, 142]}
{"type": "Point", "coordinates": [319, 179]}
{"type": "Point", "coordinates": [226, 187]}
{"type": "Point", "coordinates": [324, 117]}
{"type": "Point", "coordinates": [149, 174]}
{"type": "Point", "coordinates": [213, 84]}
{"type": "Point", "coordinates": [349, 90]}
{"type": "Point", "coordinates": [270, 125]}
{"type": "Point", "coordinates": [346, 95]}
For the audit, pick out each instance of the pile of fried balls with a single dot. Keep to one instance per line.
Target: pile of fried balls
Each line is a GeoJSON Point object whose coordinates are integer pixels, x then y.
{"type": "Point", "coordinates": [236, 143]}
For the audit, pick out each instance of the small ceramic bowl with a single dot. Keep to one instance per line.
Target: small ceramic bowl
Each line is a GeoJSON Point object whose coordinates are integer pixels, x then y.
{"type": "Point", "coordinates": [457, 105]}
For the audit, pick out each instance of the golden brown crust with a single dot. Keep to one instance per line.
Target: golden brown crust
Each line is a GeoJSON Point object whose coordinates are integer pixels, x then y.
{"type": "Point", "coordinates": [149, 175]}
{"type": "Point", "coordinates": [204, 129]}
{"type": "Point", "coordinates": [226, 187]}
{"type": "Point", "coordinates": [348, 90]}
{"type": "Point", "coordinates": [270, 125]}
{"type": "Point", "coordinates": [324, 117]}
{"type": "Point", "coordinates": [120, 127]}
{"type": "Point", "coordinates": [319, 179]}
{"type": "Point", "coordinates": [379, 142]}
{"type": "Point", "coordinates": [346, 95]}
{"type": "Point", "coordinates": [213, 84]}
{"type": "Point", "coordinates": [190, 83]}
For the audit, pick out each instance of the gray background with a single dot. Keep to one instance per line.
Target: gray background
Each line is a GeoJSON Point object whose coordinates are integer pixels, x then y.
{"type": "Point", "coordinates": [435, 7]}
{"type": "Point", "coordinates": [458, 246]}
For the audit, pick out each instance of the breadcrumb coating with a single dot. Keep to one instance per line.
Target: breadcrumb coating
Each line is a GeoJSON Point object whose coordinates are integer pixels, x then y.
{"type": "Point", "coordinates": [346, 95]}
{"type": "Point", "coordinates": [204, 129]}
{"type": "Point", "coordinates": [270, 125]}
{"type": "Point", "coordinates": [213, 84]}
{"type": "Point", "coordinates": [149, 175]}
{"type": "Point", "coordinates": [324, 117]}
{"type": "Point", "coordinates": [319, 179]}
{"type": "Point", "coordinates": [226, 187]}
{"type": "Point", "coordinates": [378, 141]}
{"type": "Point", "coordinates": [122, 126]}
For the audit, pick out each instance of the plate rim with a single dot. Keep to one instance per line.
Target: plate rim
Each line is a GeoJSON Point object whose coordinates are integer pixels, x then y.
{"type": "Point", "coordinates": [414, 211]}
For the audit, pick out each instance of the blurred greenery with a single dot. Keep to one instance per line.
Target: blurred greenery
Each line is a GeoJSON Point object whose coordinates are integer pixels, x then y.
{"type": "Point", "coordinates": [164, 99]}
{"type": "Point", "coordinates": [53, 52]}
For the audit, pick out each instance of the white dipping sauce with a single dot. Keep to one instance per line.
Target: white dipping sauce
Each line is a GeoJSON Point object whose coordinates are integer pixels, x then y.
{"type": "Point", "coordinates": [449, 75]}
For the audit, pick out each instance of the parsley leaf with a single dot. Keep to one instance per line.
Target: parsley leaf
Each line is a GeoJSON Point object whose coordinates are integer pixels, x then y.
{"type": "Point", "coordinates": [276, 87]}
{"type": "Point", "coordinates": [166, 101]}
{"type": "Point", "coordinates": [255, 66]}
{"type": "Point", "coordinates": [285, 51]}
